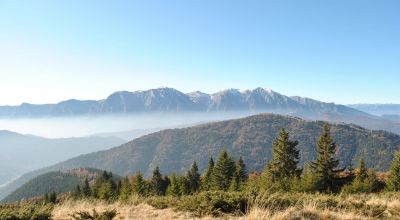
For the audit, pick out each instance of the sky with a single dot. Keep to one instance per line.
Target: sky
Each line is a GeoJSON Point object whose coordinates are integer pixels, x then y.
{"type": "Point", "coordinates": [342, 51]}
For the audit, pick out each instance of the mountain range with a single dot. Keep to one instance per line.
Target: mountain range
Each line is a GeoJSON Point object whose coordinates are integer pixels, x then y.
{"type": "Point", "coordinates": [390, 111]}
{"type": "Point", "coordinates": [173, 150]}
{"type": "Point", "coordinates": [172, 100]}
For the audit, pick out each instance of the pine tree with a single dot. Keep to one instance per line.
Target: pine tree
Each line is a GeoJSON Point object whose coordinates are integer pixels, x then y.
{"type": "Point", "coordinates": [118, 188]}
{"type": "Point", "coordinates": [239, 177]}
{"type": "Point", "coordinates": [105, 191]}
{"type": "Point", "coordinates": [125, 189]}
{"type": "Point", "coordinates": [78, 192]}
{"type": "Point", "coordinates": [157, 182]}
{"type": "Point", "coordinates": [325, 165]}
{"type": "Point", "coordinates": [86, 191]}
{"type": "Point", "coordinates": [174, 187]}
{"type": "Point", "coordinates": [285, 158]}
{"type": "Point", "coordinates": [140, 184]}
{"type": "Point", "coordinates": [206, 183]}
{"type": "Point", "coordinates": [308, 180]}
{"type": "Point", "coordinates": [51, 197]}
{"type": "Point", "coordinates": [362, 171]}
{"type": "Point", "coordinates": [223, 172]}
{"type": "Point", "coordinates": [184, 185]}
{"type": "Point", "coordinates": [104, 187]}
{"type": "Point", "coordinates": [393, 183]}
{"type": "Point", "coordinates": [241, 170]}
{"type": "Point", "coordinates": [235, 183]}
{"type": "Point", "coordinates": [193, 177]}
{"type": "Point", "coordinates": [364, 182]}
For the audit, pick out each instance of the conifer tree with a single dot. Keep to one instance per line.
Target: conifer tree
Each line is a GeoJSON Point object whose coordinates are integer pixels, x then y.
{"type": "Point", "coordinates": [140, 184]}
{"type": "Point", "coordinates": [157, 182]}
{"type": "Point", "coordinates": [78, 192]}
{"type": "Point", "coordinates": [184, 185]}
{"type": "Point", "coordinates": [239, 177]}
{"type": "Point", "coordinates": [241, 170]}
{"type": "Point", "coordinates": [174, 187]}
{"type": "Point", "coordinates": [105, 191]}
{"type": "Point", "coordinates": [166, 182]}
{"type": "Point", "coordinates": [125, 189]}
{"type": "Point", "coordinates": [193, 177]}
{"type": "Point", "coordinates": [206, 183]}
{"type": "Point", "coordinates": [308, 180]}
{"type": "Point", "coordinates": [51, 197]}
{"type": "Point", "coordinates": [86, 191]}
{"type": "Point", "coordinates": [362, 171]}
{"type": "Point", "coordinates": [364, 182]}
{"type": "Point", "coordinates": [285, 158]}
{"type": "Point", "coordinates": [324, 167]}
{"type": "Point", "coordinates": [223, 172]}
{"type": "Point", "coordinates": [104, 187]}
{"type": "Point", "coordinates": [118, 188]}
{"type": "Point", "coordinates": [393, 183]}
{"type": "Point", "coordinates": [235, 183]}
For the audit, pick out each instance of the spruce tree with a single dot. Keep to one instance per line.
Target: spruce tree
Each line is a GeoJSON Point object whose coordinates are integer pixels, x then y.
{"type": "Point", "coordinates": [393, 182]}
{"type": "Point", "coordinates": [223, 172]}
{"type": "Point", "coordinates": [174, 186]}
{"type": "Point", "coordinates": [86, 191]}
{"type": "Point", "coordinates": [235, 183]}
{"type": "Point", "coordinates": [105, 191]}
{"type": "Point", "coordinates": [193, 177]}
{"type": "Point", "coordinates": [285, 158]}
{"type": "Point", "coordinates": [364, 182]}
{"type": "Point", "coordinates": [324, 167]}
{"type": "Point", "coordinates": [206, 183]}
{"type": "Point", "coordinates": [157, 182]}
{"type": "Point", "coordinates": [125, 189]}
{"type": "Point", "coordinates": [140, 184]}
{"type": "Point", "coordinates": [184, 185]}
{"type": "Point", "coordinates": [239, 177]}
{"type": "Point", "coordinates": [362, 171]}
{"type": "Point", "coordinates": [52, 197]}
{"type": "Point", "coordinates": [78, 192]}
{"type": "Point", "coordinates": [241, 170]}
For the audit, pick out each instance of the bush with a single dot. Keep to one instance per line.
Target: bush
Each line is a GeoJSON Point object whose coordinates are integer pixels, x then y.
{"type": "Point", "coordinates": [215, 203]}
{"type": "Point", "coordinates": [26, 211]}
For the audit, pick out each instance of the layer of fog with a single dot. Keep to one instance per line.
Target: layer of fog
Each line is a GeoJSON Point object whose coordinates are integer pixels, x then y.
{"type": "Point", "coordinates": [107, 125]}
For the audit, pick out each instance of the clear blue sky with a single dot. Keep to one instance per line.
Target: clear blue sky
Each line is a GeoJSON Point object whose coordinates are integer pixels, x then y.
{"type": "Point", "coordinates": [343, 51]}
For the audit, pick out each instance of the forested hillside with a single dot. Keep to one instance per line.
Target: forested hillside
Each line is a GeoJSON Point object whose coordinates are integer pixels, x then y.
{"type": "Point", "coordinates": [56, 181]}
{"type": "Point", "coordinates": [174, 150]}
{"type": "Point", "coordinates": [251, 137]}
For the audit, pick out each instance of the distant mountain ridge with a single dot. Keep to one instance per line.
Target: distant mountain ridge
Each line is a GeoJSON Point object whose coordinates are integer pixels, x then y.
{"type": "Point", "coordinates": [378, 109]}
{"type": "Point", "coordinates": [173, 101]}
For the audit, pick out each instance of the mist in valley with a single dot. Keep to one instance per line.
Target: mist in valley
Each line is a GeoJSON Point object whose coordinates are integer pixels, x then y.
{"type": "Point", "coordinates": [123, 126]}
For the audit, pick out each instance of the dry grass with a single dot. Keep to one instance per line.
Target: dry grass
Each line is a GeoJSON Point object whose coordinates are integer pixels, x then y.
{"type": "Point", "coordinates": [307, 206]}
{"type": "Point", "coordinates": [125, 211]}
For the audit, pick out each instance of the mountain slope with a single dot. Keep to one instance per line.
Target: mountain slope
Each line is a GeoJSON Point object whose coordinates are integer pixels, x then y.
{"type": "Point", "coordinates": [251, 137]}
{"type": "Point", "coordinates": [56, 181]}
{"type": "Point", "coordinates": [175, 149]}
{"type": "Point", "coordinates": [24, 153]}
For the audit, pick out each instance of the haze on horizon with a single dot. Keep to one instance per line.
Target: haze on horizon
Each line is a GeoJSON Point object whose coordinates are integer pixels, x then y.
{"type": "Point", "coordinates": [333, 51]}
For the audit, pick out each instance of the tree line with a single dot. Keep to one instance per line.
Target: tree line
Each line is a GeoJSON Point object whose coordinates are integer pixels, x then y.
{"type": "Point", "coordinates": [282, 173]}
